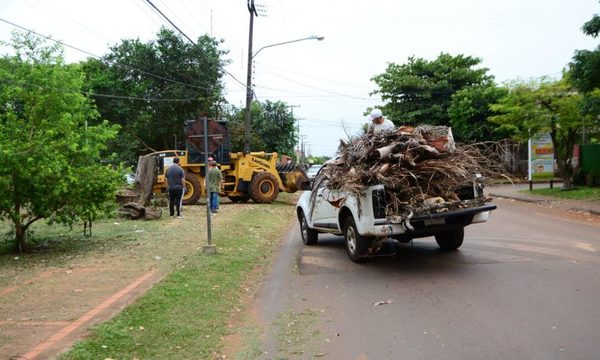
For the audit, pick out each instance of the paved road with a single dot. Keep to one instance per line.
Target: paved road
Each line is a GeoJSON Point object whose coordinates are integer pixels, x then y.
{"type": "Point", "coordinates": [525, 285]}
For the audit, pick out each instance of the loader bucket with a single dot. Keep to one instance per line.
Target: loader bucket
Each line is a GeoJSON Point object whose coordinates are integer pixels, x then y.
{"type": "Point", "coordinates": [292, 176]}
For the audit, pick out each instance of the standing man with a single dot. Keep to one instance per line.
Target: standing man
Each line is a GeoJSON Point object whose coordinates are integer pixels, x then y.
{"type": "Point", "coordinates": [378, 123]}
{"type": "Point", "coordinates": [210, 160]}
{"type": "Point", "coordinates": [175, 181]}
{"type": "Point", "coordinates": [214, 186]}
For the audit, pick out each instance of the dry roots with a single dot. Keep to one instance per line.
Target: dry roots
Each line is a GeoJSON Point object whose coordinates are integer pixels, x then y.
{"type": "Point", "coordinates": [422, 168]}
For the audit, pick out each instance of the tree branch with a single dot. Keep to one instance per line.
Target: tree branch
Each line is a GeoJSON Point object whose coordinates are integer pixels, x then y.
{"type": "Point", "coordinates": [32, 221]}
{"type": "Point", "coordinates": [138, 139]}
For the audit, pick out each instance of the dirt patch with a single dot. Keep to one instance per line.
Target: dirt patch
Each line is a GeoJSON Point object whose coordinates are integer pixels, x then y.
{"type": "Point", "coordinates": [43, 294]}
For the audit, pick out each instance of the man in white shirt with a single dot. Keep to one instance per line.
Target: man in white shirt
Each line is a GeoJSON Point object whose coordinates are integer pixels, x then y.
{"type": "Point", "coordinates": [379, 123]}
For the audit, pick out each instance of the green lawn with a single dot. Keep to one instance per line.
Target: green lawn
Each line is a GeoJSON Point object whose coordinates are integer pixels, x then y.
{"type": "Point", "coordinates": [580, 193]}
{"type": "Point", "coordinates": [185, 316]}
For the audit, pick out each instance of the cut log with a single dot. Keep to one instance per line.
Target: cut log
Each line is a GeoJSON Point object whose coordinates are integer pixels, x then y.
{"type": "Point", "coordinates": [135, 211]}
{"type": "Point", "coordinates": [384, 168]}
{"type": "Point", "coordinates": [145, 177]}
{"type": "Point", "coordinates": [152, 213]}
{"type": "Point", "coordinates": [385, 151]}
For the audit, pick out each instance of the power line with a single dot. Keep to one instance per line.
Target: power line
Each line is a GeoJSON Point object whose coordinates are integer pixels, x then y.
{"type": "Point", "coordinates": [42, 6]}
{"type": "Point", "coordinates": [107, 61]}
{"type": "Point", "coordinates": [272, 67]}
{"type": "Point", "coordinates": [22, 83]}
{"type": "Point", "coordinates": [324, 90]}
{"type": "Point", "coordinates": [190, 40]}
{"type": "Point", "coordinates": [145, 11]}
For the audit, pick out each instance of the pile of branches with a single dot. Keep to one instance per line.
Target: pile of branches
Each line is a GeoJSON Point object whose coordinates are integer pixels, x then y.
{"type": "Point", "coordinates": [422, 168]}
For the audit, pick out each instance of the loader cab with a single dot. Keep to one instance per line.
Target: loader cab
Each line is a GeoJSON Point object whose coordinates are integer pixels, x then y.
{"type": "Point", "coordinates": [219, 142]}
{"type": "Point", "coordinates": [165, 159]}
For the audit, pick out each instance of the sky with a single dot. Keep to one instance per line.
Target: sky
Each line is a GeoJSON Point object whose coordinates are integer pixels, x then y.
{"type": "Point", "coordinates": [328, 82]}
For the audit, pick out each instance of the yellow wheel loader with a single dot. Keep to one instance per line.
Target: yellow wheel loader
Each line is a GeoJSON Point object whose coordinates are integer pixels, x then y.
{"type": "Point", "coordinates": [256, 176]}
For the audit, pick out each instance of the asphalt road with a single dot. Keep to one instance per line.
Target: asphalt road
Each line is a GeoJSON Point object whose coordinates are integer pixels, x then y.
{"type": "Point", "coordinates": [524, 285]}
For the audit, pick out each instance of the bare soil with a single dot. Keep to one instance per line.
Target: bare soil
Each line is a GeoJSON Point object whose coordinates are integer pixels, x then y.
{"type": "Point", "coordinates": [42, 295]}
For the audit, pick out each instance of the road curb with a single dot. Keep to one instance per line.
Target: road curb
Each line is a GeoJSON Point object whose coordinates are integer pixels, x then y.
{"type": "Point", "coordinates": [533, 201]}
{"type": "Point", "coordinates": [546, 201]}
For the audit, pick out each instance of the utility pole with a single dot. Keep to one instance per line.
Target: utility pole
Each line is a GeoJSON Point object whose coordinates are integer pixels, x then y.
{"type": "Point", "coordinates": [247, 125]}
{"type": "Point", "coordinates": [297, 125]}
{"type": "Point", "coordinates": [302, 155]}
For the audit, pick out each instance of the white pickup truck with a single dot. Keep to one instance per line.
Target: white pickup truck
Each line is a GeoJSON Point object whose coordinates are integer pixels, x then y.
{"type": "Point", "coordinates": [365, 226]}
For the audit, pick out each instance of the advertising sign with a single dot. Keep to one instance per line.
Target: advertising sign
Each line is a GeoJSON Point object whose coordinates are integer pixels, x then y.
{"type": "Point", "coordinates": [541, 157]}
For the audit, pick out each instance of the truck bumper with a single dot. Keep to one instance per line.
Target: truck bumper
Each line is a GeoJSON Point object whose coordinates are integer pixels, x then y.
{"type": "Point", "coordinates": [429, 224]}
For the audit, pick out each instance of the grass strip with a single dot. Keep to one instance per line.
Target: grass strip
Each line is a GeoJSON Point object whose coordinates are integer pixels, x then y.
{"type": "Point", "coordinates": [579, 193]}
{"type": "Point", "coordinates": [186, 315]}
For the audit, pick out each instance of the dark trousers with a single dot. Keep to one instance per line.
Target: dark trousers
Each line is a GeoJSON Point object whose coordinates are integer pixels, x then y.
{"type": "Point", "coordinates": [175, 201]}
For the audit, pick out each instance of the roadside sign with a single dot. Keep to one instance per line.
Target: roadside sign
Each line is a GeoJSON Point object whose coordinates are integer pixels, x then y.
{"type": "Point", "coordinates": [541, 157]}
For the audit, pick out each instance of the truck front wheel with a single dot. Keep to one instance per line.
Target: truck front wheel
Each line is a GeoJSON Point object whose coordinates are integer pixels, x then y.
{"type": "Point", "coordinates": [450, 240]}
{"type": "Point", "coordinates": [309, 236]}
{"type": "Point", "coordinates": [357, 246]}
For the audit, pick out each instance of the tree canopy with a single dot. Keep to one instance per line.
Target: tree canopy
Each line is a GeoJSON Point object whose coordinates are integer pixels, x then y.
{"type": "Point", "coordinates": [584, 70]}
{"type": "Point", "coordinates": [151, 88]}
{"type": "Point", "coordinates": [544, 106]}
{"type": "Point", "coordinates": [50, 143]}
{"type": "Point", "coordinates": [469, 112]}
{"type": "Point", "coordinates": [273, 128]}
{"type": "Point", "coordinates": [420, 91]}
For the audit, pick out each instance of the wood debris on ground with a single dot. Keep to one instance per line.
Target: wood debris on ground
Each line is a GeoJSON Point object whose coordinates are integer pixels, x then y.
{"type": "Point", "coordinates": [422, 168]}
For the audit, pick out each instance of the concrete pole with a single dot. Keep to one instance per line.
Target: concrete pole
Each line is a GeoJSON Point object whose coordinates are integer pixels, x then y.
{"type": "Point", "coordinates": [208, 249]}
{"type": "Point", "coordinates": [248, 123]}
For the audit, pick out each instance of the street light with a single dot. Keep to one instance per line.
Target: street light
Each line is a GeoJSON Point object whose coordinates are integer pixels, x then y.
{"type": "Point", "coordinates": [314, 37]}
{"type": "Point", "coordinates": [252, 10]}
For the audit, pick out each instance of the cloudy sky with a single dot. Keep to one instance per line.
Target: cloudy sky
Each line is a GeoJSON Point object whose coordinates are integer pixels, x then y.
{"type": "Point", "coordinates": [328, 81]}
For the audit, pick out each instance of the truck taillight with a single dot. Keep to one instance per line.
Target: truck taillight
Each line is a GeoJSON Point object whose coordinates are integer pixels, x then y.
{"type": "Point", "coordinates": [379, 203]}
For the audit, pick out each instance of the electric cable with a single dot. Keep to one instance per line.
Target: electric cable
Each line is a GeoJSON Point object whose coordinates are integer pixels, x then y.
{"type": "Point", "coordinates": [100, 58]}
{"type": "Point", "coordinates": [89, 93]}
{"type": "Point", "coordinates": [190, 40]}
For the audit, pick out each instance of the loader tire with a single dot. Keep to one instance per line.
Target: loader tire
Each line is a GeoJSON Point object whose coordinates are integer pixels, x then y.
{"type": "Point", "coordinates": [263, 188]}
{"type": "Point", "coordinates": [192, 189]}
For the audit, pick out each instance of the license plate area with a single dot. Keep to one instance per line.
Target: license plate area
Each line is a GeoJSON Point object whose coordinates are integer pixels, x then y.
{"type": "Point", "coordinates": [434, 221]}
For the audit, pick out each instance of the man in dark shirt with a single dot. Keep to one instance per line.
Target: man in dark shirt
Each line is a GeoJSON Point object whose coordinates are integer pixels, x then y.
{"type": "Point", "coordinates": [175, 180]}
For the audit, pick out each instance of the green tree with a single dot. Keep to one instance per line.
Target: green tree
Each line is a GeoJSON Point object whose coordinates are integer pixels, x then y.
{"type": "Point", "coordinates": [273, 128]}
{"type": "Point", "coordinates": [50, 164]}
{"type": "Point", "coordinates": [470, 110]}
{"type": "Point", "coordinates": [317, 159]}
{"type": "Point", "coordinates": [420, 91]}
{"type": "Point", "coordinates": [592, 27]}
{"type": "Point", "coordinates": [585, 70]}
{"type": "Point", "coordinates": [584, 74]}
{"type": "Point", "coordinates": [161, 70]}
{"type": "Point", "coordinates": [552, 106]}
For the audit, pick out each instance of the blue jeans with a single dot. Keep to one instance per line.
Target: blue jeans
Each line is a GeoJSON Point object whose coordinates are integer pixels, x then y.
{"type": "Point", "coordinates": [214, 201]}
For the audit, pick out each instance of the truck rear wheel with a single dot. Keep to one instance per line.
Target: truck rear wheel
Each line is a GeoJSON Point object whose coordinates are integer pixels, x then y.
{"type": "Point", "coordinates": [450, 240]}
{"type": "Point", "coordinates": [263, 188]}
{"type": "Point", "coordinates": [192, 189]}
{"type": "Point", "coordinates": [309, 236]}
{"type": "Point", "coordinates": [357, 246]}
